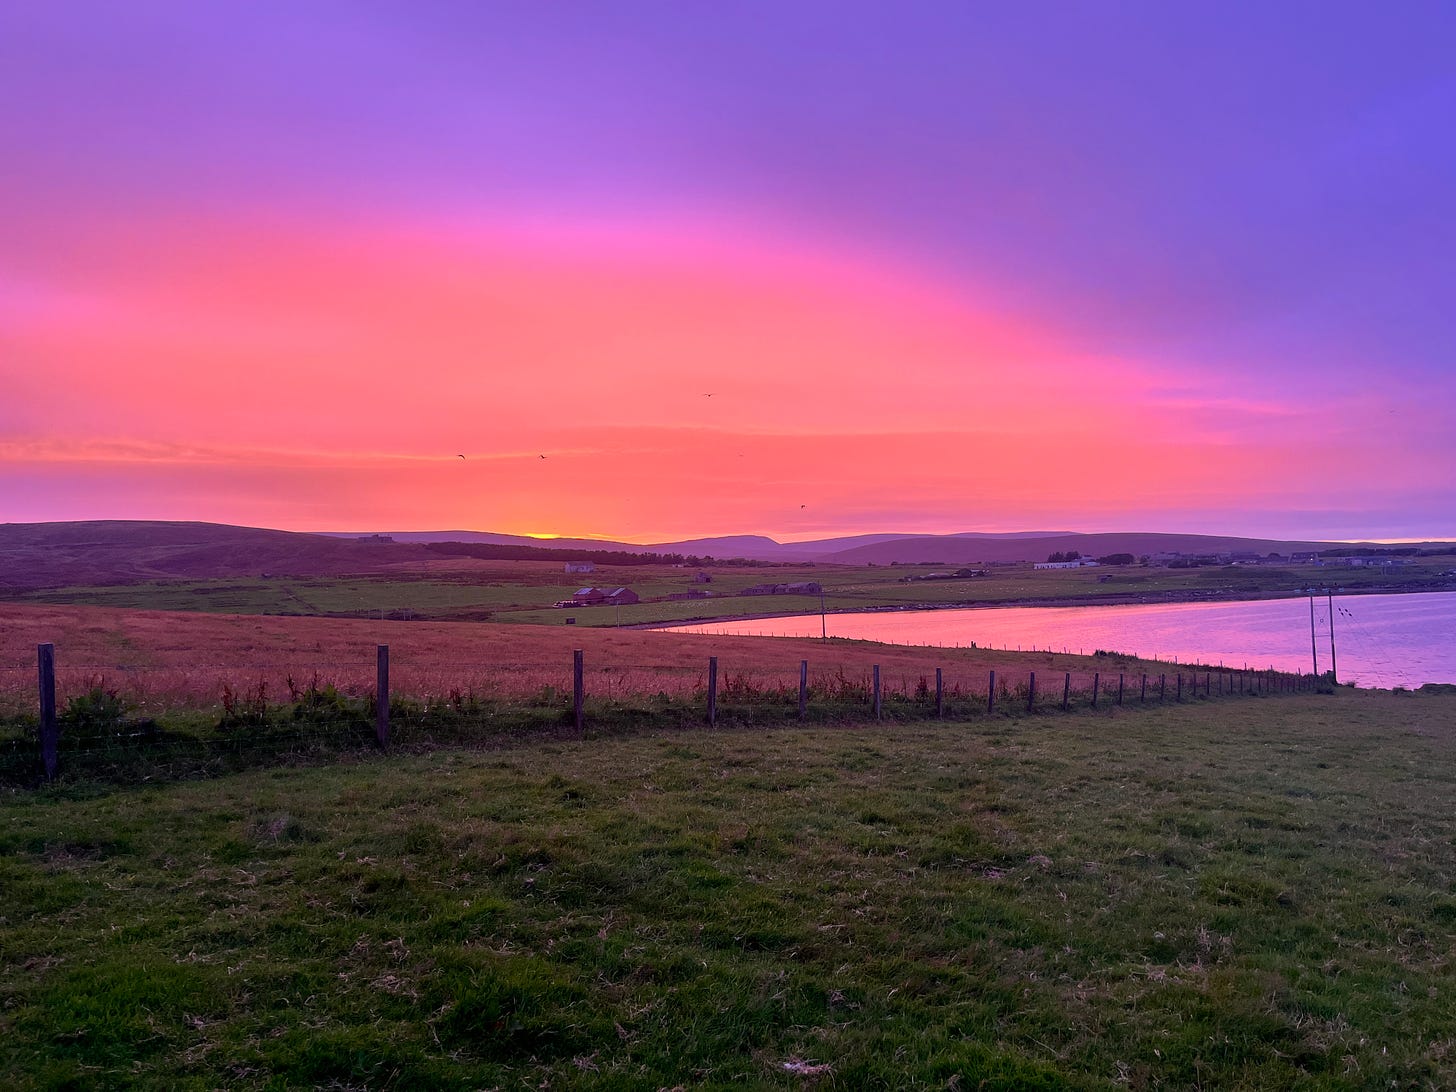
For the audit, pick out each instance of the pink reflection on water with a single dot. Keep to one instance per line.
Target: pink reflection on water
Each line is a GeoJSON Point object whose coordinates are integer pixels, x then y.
{"type": "Point", "coordinates": [1380, 640]}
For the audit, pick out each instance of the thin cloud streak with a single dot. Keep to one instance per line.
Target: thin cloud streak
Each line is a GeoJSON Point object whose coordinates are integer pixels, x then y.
{"type": "Point", "coordinates": [1168, 266]}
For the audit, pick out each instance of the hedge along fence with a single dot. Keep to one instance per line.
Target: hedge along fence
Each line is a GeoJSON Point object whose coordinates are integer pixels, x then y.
{"type": "Point", "coordinates": [102, 727]}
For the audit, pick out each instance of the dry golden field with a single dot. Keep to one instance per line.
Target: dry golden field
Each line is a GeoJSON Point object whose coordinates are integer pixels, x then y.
{"type": "Point", "coordinates": [162, 660]}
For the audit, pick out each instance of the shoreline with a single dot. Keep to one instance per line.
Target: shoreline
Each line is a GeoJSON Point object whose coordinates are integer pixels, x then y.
{"type": "Point", "coordinates": [1169, 598]}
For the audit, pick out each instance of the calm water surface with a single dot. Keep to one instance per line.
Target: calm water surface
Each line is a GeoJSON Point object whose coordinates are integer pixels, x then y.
{"type": "Point", "coordinates": [1380, 640]}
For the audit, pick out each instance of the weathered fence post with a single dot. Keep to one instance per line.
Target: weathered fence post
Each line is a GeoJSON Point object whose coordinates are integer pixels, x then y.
{"type": "Point", "coordinates": [1180, 686]}
{"type": "Point", "coordinates": [877, 691]}
{"type": "Point", "coordinates": [1144, 695]}
{"type": "Point", "coordinates": [1162, 687]}
{"type": "Point", "coordinates": [712, 691]}
{"type": "Point", "coordinates": [1031, 693]}
{"type": "Point", "coordinates": [803, 689]}
{"type": "Point", "coordinates": [991, 694]}
{"type": "Point", "coordinates": [1066, 690]}
{"type": "Point", "coordinates": [49, 736]}
{"type": "Point", "coordinates": [939, 694]}
{"type": "Point", "coordinates": [577, 690]}
{"type": "Point", "coordinates": [381, 695]}
{"type": "Point", "coordinates": [1119, 688]}
{"type": "Point", "coordinates": [1096, 684]}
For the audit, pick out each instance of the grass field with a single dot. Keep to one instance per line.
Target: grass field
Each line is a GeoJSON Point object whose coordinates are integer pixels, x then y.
{"type": "Point", "coordinates": [1238, 896]}
{"type": "Point", "coordinates": [525, 591]}
{"type": "Point", "coordinates": [162, 661]}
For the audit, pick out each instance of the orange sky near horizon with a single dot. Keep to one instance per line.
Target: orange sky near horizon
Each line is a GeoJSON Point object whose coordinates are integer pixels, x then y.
{"type": "Point", "coordinates": [678, 382]}
{"type": "Point", "coordinates": [806, 270]}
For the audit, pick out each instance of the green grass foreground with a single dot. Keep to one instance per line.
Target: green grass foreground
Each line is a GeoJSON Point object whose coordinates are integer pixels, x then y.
{"type": "Point", "coordinates": [1242, 895]}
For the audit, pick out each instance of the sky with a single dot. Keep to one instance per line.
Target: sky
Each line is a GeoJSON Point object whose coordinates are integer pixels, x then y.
{"type": "Point", "coordinates": [662, 270]}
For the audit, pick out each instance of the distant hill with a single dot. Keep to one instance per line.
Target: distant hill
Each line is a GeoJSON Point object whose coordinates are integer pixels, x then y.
{"type": "Point", "coordinates": [752, 547]}
{"type": "Point", "coordinates": [41, 555]}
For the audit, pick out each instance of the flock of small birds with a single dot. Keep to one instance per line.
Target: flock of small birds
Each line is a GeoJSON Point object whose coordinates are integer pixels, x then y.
{"type": "Point", "coordinates": [708, 395]}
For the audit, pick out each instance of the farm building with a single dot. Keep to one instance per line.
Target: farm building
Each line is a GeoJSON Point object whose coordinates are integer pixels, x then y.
{"type": "Point", "coordinates": [580, 567]}
{"type": "Point", "coordinates": [623, 595]}
{"type": "Point", "coordinates": [702, 578]}
{"type": "Point", "coordinates": [808, 587]}
{"type": "Point", "coordinates": [588, 595]}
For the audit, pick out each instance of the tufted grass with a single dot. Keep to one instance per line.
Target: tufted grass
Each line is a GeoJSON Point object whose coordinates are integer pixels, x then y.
{"type": "Point", "coordinates": [1237, 895]}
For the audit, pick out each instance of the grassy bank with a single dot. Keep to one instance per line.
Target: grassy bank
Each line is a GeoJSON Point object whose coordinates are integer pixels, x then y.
{"type": "Point", "coordinates": [524, 591]}
{"type": "Point", "coordinates": [164, 661]}
{"type": "Point", "coordinates": [1231, 895]}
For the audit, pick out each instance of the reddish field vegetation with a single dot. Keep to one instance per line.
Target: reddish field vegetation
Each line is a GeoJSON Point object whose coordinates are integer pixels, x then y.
{"type": "Point", "coordinates": [164, 660]}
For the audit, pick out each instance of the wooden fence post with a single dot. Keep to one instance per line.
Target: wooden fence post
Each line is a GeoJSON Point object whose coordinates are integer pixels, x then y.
{"type": "Point", "coordinates": [1096, 683]}
{"type": "Point", "coordinates": [1144, 696]}
{"type": "Point", "coordinates": [577, 690]}
{"type": "Point", "coordinates": [939, 694]}
{"type": "Point", "coordinates": [991, 694]}
{"type": "Point", "coordinates": [49, 735]}
{"type": "Point", "coordinates": [1180, 686]}
{"type": "Point", "coordinates": [1066, 690]}
{"type": "Point", "coordinates": [1162, 687]}
{"type": "Point", "coordinates": [1031, 693]}
{"type": "Point", "coordinates": [803, 689]}
{"type": "Point", "coordinates": [712, 691]}
{"type": "Point", "coordinates": [1119, 688]}
{"type": "Point", "coordinates": [877, 691]}
{"type": "Point", "coordinates": [381, 695]}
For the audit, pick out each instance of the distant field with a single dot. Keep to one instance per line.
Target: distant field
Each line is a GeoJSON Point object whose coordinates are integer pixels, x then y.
{"type": "Point", "coordinates": [165, 661]}
{"type": "Point", "coordinates": [1238, 896]}
{"type": "Point", "coordinates": [525, 591]}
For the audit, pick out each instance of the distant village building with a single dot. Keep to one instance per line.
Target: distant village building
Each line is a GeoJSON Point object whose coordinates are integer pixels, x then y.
{"type": "Point", "coordinates": [618, 596]}
{"type": "Point", "coordinates": [702, 578]}
{"type": "Point", "coordinates": [586, 596]}
{"type": "Point", "coordinates": [808, 587]}
{"type": "Point", "coordinates": [580, 567]}
{"type": "Point", "coordinates": [1080, 563]}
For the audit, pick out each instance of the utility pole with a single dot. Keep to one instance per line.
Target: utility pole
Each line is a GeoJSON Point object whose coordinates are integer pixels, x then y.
{"type": "Point", "coordinates": [1314, 654]}
{"type": "Point", "coordinates": [1334, 677]}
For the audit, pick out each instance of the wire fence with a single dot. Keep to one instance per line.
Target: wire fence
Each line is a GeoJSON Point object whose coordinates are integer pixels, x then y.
{"type": "Point", "coordinates": [123, 720]}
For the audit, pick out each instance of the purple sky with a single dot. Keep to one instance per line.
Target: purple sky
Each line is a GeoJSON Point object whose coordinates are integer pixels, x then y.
{"type": "Point", "coordinates": [1245, 213]}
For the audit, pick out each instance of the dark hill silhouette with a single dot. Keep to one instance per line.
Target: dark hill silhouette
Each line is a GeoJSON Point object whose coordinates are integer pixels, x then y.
{"type": "Point", "coordinates": [48, 555]}
{"type": "Point", "coordinates": [40, 555]}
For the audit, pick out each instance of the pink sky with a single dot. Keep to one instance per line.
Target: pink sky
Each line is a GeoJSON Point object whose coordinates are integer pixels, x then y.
{"type": "Point", "coordinates": [249, 279]}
